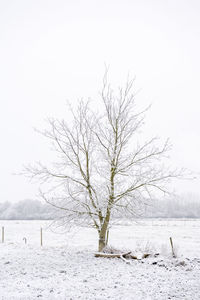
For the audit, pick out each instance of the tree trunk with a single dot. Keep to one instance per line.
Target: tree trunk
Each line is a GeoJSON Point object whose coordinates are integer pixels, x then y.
{"type": "Point", "coordinates": [102, 244]}
{"type": "Point", "coordinates": [102, 238]}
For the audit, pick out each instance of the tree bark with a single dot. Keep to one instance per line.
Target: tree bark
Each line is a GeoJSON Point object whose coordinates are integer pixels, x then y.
{"type": "Point", "coordinates": [102, 238]}
{"type": "Point", "coordinates": [102, 244]}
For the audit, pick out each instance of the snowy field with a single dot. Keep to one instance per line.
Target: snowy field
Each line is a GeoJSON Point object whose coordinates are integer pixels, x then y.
{"type": "Point", "coordinates": [65, 267]}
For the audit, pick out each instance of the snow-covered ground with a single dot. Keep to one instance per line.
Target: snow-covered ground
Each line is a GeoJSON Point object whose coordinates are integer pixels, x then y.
{"type": "Point", "coordinates": [65, 267]}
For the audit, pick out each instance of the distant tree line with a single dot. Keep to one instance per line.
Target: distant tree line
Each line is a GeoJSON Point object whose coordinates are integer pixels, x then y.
{"type": "Point", "coordinates": [185, 206]}
{"type": "Point", "coordinates": [25, 210]}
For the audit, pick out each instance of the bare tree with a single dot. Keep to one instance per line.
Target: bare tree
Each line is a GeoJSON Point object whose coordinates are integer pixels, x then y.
{"type": "Point", "coordinates": [103, 169]}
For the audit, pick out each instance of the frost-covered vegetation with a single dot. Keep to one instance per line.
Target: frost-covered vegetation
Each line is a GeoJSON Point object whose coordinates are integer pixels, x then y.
{"type": "Point", "coordinates": [185, 206]}
{"type": "Point", "coordinates": [25, 210]}
{"type": "Point", "coordinates": [105, 167]}
{"type": "Point", "coordinates": [66, 268]}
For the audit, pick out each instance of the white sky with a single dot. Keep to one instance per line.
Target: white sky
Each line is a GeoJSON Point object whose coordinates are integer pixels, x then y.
{"type": "Point", "coordinates": [51, 51]}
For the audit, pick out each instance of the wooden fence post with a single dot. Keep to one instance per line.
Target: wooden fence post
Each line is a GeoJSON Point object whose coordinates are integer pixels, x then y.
{"type": "Point", "coordinates": [173, 254]}
{"type": "Point", "coordinates": [41, 237]}
{"type": "Point", "coordinates": [2, 234]}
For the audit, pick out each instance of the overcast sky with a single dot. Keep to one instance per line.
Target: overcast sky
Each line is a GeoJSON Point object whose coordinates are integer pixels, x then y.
{"type": "Point", "coordinates": [51, 51]}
